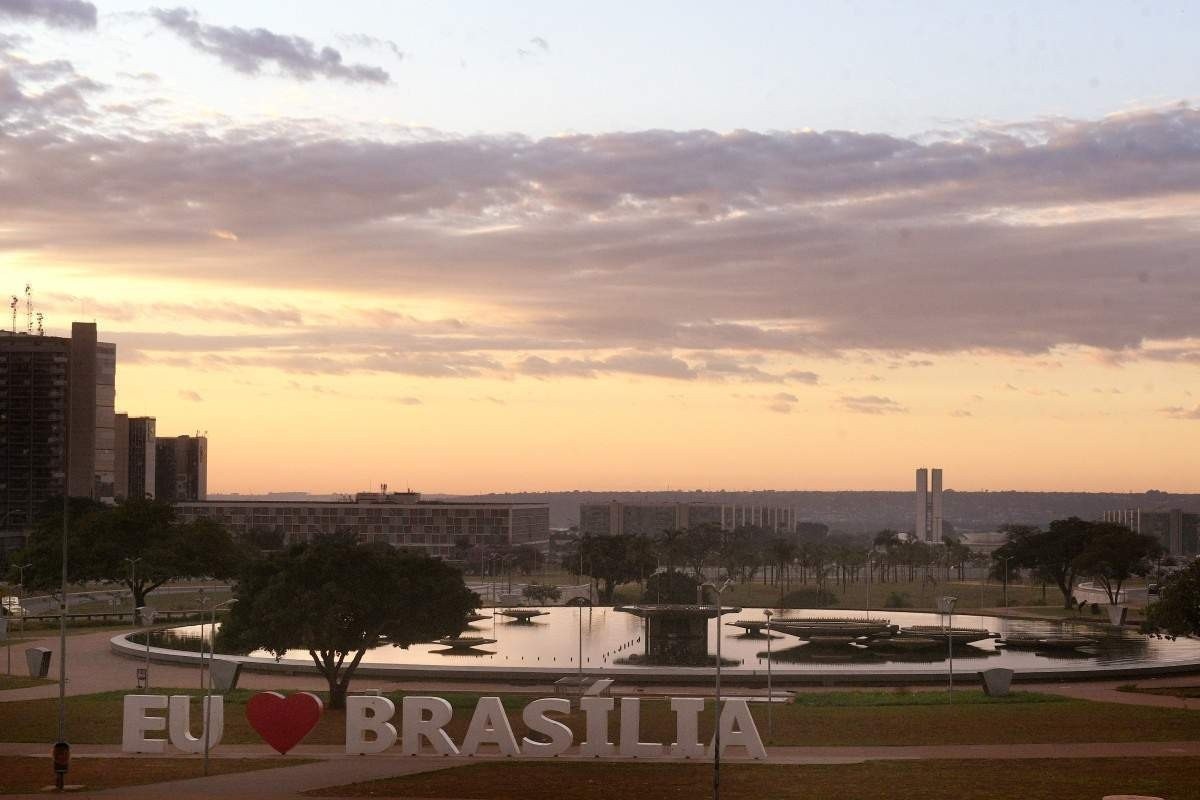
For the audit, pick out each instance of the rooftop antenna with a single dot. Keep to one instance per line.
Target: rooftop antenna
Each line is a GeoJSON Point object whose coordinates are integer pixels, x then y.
{"type": "Point", "coordinates": [13, 305]}
{"type": "Point", "coordinates": [28, 310]}
{"type": "Point", "coordinates": [40, 329]}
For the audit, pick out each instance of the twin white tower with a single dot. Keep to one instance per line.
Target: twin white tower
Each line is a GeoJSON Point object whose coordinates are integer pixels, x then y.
{"type": "Point", "coordinates": [928, 526]}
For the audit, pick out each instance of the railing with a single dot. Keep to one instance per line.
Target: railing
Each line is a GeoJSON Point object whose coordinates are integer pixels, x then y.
{"type": "Point", "coordinates": [119, 616]}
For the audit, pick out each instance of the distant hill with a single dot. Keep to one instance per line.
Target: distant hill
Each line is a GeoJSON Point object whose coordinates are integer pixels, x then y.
{"type": "Point", "coordinates": [855, 512]}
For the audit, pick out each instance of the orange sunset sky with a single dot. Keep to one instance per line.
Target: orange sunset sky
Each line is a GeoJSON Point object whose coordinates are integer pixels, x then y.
{"type": "Point", "coordinates": [327, 267]}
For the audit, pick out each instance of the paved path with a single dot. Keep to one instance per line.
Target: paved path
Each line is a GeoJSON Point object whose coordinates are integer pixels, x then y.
{"type": "Point", "coordinates": [334, 768]}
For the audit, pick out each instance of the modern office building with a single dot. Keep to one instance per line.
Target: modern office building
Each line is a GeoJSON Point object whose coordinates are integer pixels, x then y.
{"type": "Point", "coordinates": [400, 519]}
{"type": "Point", "coordinates": [181, 468]}
{"type": "Point", "coordinates": [56, 422]}
{"type": "Point", "coordinates": [1176, 529]}
{"type": "Point", "coordinates": [650, 519]}
{"type": "Point", "coordinates": [928, 526]}
{"type": "Point", "coordinates": [136, 447]}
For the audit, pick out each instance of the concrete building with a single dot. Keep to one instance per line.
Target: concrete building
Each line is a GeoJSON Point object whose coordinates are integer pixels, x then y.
{"type": "Point", "coordinates": [1176, 529]}
{"type": "Point", "coordinates": [135, 450]}
{"type": "Point", "coordinates": [56, 423]}
{"type": "Point", "coordinates": [928, 525]}
{"type": "Point", "coordinates": [181, 468]}
{"type": "Point", "coordinates": [650, 519]}
{"type": "Point", "coordinates": [400, 519]}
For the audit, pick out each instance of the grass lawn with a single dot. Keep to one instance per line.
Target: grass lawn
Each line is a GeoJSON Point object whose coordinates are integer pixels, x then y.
{"type": "Point", "coordinates": [1040, 779]}
{"type": "Point", "coordinates": [1167, 691]}
{"type": "Point", "coordinates": [21, 682]}
{"type": "Point", "coordinates": [23, 774]}
{"type": "Point", "coordinates": [826, 718]}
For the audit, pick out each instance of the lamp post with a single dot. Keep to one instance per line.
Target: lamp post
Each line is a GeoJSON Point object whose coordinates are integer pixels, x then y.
{"type": "Point", "coordinates": [770, 697]}
{"type": "Point", "coordinates": [133, 562]}
{"type": "Point", "coordinates": [718, 590]}
{"type": "Point", "coordinates": [946, 606]}
{"type": "Point", "coordinates": [18, 609]}
{"type": "Point", "coordinates": [1006, 559]}
{"type": "Point", "coordinates": [869, 577]}
{"type": "Point", "coordinates": [212, 632]}
{"type": "Point", "coordinates": [146, 613]}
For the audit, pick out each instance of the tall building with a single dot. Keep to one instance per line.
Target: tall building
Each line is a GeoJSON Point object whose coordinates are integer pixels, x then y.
{"type": "Point", "coordinates": [650, 519]}
{"type": "Point", "coordinates": [400, 519]}
{"type": "Point", "coordinates": [1177, 530]}
{"type": "Point", "coordinates": [181, 468]}
{"type": "Point", "coordinates": [136, 447]}
{"type": "Point", "coordinates": [928, 525]}
{"type": "Point", "coordinates": [56, 422]}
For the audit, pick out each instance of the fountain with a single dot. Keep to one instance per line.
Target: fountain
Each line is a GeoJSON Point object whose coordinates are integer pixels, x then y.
{"type": "Point", "coordinates": [676, 634]}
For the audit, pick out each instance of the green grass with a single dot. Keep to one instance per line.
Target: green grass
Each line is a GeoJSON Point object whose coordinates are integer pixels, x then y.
{"type": "Point", "coordinates": [21, 682]}
{"type": "Point", "coordinates": [24, 774]}
{"type": "Point", "coordinates": [826, 718]}
{"type": "Point", "coordinates": [1029, 779]}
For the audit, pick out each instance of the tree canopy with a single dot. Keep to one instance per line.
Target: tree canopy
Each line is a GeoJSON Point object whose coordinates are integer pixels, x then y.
{"type": "Point", "coordinates": [136, 543]}
{"type": "Point", "coordinates": [337, 599]}
{"type": "Point", "coordinates": [1114, 554]}
{"type": "Point", "coordinates": [1051, 553]}
{"type": "Point", "coordinates": [1177, 612]}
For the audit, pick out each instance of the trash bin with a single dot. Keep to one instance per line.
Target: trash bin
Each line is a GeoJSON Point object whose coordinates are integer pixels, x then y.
{"type": "Point", "coordinates": [38, 659]}
{"type": "Point", "coordinates": [996, 681]}
{"type": "Point", "coordinates": [225, 674]}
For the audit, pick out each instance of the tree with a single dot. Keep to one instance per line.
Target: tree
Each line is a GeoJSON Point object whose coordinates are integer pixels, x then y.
{"type": "Point", "coordinates": [605, 559]}
{"type": "Point", "coordinates": [670, 587]}
{"type": "Point", "coordinates": [137, 543]}
{"type": "Point", "coordinates": [1114, 554]}
{"type": "Point", "coordinates": [541, 593]}
{"type": "Point", "coordinates": [338, 599]}
{"type": "Point", "coordinates": [700, 543]}
{"type": "Point", "coordinates": [1051, 553]}
{"type": "Point", "coordinates": [1177, 611]}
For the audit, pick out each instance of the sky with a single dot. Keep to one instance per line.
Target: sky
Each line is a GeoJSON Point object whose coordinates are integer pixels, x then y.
{"type": "Point", "coordinates": [466, 247]}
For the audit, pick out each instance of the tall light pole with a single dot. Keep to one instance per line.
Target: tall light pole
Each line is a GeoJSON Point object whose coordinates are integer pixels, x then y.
{"type": "Point", "coordinates": [20, 582]}
{"type": "Point", "coordinates": [868, 586]}
{"type": "Point", "coordinates": [212, 632]}
{"type": "Point", "coordinates": [946, 606]}
{"type": "Point", "coordinates": [133, 562]}
{"type": "Point", "coordinates": [1006, 559]}
{"type": "Point", "coordinates": [718, 590]}
{"type": "Point", "coordinates": [770, 697]}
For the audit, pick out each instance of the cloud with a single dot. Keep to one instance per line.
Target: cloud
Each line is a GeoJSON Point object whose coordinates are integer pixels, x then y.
{"type": "Point", "coordinates": [872, 404]}
{"type": "Point", "coordinates": [693, 255]}
{"type": "Point", "coordinates": [70, 14]}
{"type": "Point", "coordinates": [961, 412]}
{"type": "Point", "coordinates": [188, 394]}
{"type": "Point", "coordinates": [1179, 412]}
{"type": "Point", "coordinates": [373, 43]}
{"type": "Point", "coordinates": [407, 401]}
{"type": "Point", "coordinates": [249, 51]}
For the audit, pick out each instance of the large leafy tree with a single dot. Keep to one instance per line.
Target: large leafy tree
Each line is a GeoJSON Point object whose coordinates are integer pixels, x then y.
{"type": "Point", "coordinates": [1050, 553]}
{"type": "Point", "coordinates": [337, 599]}
{"type": "Point", "coordinates": [138, 544]}
{"type": "Point", "coordinates": [1114, 554]}
{"type": "Point", "coordinates": [609, 560]}
{"type": "Point", "coordinates": [1177, 612]}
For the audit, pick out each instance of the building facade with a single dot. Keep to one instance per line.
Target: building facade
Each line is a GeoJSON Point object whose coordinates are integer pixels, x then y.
{"type": "Point", "coordinates": [136, 449]}
{"type": "Point", "coordinates": [181, 468]}
{"type": "Point", "coordinates": [650, 519]}
{"type": "Point", "coordinates": [56, 423]}
{"type": "Point", "coordinates": [1177, 530]}
{"type": "Point", "coordinates": [401, 520]}
{"type": "Point", "coordinates": [928, 524]}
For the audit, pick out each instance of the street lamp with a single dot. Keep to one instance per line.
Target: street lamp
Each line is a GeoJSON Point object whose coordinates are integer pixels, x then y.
{"type": "Point", "coordinates": [718, 590]}
{"type": "Point", "coordinates": [17, 610]}
{"type": "Point", "coordinates": [946, 606]}
{"type": "Point", "coordinates": [770, 697]}
{"type": "Point", "coordinates": [212, 632]}
{"type": "Point", "coordinates": [1006, 559]}
{"type": "Point", "coordinates": [133, 562]}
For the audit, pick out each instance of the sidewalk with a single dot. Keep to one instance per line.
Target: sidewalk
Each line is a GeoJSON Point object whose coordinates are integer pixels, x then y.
{"type": "Point", "coordinates": [334, 768]}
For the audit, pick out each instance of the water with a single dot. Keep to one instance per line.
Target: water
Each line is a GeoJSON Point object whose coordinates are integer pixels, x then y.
{"type": "Point", "coordinates": [610, 637]}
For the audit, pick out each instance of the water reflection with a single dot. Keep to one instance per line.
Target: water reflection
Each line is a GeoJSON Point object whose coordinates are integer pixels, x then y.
{"type": "Point", "coordinates": [615, 639]}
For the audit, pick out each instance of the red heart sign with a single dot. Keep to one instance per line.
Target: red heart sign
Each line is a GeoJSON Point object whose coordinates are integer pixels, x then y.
{"type": "Point", "coordinates": [283, 721]}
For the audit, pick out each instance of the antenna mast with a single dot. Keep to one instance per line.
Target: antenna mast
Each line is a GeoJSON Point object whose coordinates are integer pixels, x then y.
{"type": "Point", "coordinates": [13, 305]}
{"type": "Point", "coordinates": [28, 310]}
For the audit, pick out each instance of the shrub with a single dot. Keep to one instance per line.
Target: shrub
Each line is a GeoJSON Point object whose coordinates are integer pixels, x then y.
{"type": "Point", "coordinates": [897, 600]}
{"type": "Point", "coordinates": [670, 587]}
{"type": "Point", "coordinates": [808, 598]}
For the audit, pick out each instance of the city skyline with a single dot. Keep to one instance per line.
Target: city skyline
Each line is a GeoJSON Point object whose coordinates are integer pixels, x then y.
{"type": "Point", "coordinates": [357, 246]}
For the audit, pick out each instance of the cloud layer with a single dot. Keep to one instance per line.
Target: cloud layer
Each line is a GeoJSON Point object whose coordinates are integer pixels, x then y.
{"type": "Point", "coordinates": [690, 255]}
{"type": "Point", "coordinates": [71, 14]}
{"type": "Point", "coordinates": [249, 51]}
